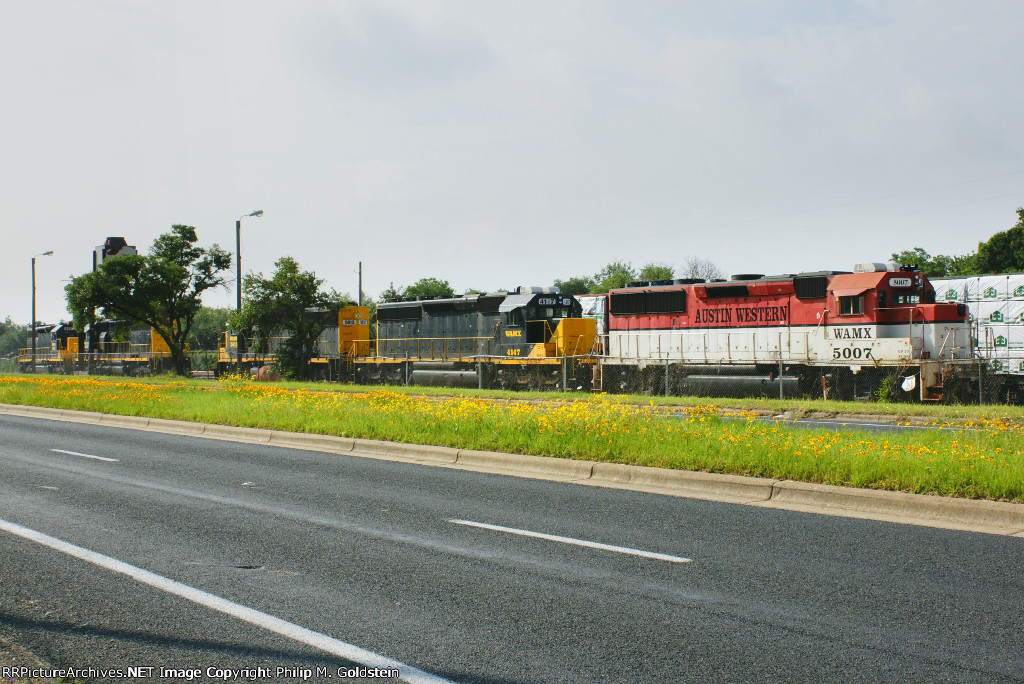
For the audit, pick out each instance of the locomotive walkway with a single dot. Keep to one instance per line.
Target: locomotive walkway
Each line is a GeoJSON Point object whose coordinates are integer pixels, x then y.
{"type": "Point", "coordinates": [989, 517]}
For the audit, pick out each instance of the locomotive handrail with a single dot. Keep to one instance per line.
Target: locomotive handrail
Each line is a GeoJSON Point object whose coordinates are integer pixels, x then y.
{"type": "Point", "coordinates": [438, 353]}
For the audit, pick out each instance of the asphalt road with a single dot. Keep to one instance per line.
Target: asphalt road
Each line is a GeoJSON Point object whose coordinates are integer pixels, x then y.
{"type": "Point", "coordinates": [378, 559]}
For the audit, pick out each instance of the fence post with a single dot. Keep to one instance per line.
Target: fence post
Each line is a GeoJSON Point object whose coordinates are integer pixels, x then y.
{"type": "Point", "coordinates": [980, 395]}
{"type": "Point", "coordinates": [780, 376]}
{"type": "Point", "coordinates": [666, 377]}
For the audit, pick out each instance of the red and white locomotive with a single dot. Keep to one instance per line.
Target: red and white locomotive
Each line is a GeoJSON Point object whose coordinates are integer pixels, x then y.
{"type": "Point", "coordinates": [835, 333]}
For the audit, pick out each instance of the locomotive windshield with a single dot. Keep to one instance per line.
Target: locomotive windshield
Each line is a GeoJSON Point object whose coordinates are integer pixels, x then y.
{"type": "Point", "coordinates": [906, 298]}
{"type": "Point", "coordinates": [534, 313]}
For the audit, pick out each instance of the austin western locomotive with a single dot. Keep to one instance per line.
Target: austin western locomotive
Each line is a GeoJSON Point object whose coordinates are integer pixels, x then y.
{"type": "Point", "coordinates": [848, 332]}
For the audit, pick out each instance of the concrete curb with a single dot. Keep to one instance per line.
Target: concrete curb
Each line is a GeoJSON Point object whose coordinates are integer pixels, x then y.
{"type": "Point", "coordinates": [731, 488]}
{"type": "Point", "coordinates": [540, 467]}
{"type": "Point", "coordinates": [991, 517]}
{"type": "Point", "coordinates": [402, 452]}
{"type": "Point", "coordinates": [996, 517]}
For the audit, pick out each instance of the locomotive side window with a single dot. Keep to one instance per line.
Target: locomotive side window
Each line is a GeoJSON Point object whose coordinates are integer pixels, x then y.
{"type": "Point", "coordinates": [511, 319]}
{"type": "Point", "coordinates": [851, 306]}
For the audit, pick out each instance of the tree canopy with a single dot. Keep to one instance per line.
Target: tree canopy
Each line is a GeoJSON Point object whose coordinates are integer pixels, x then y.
{"type": "Point", "coordinates": [208, 326]}
{"type": "Point", "coordinates": [575, 286]}
{"type": "Point", "coordinates": [655, 271]}
{"type": "Point", "coordinates": [937, 266]}
{"type": "Point", "coordinates": [695, 267]}
{"type": "Point", "coordinates": [162, 290]}
{"type": "Point", "coordinates": [1004, 251]}
{"type": "Point", "coordinates": [424, 287]}
{"type": "Point", "coordinates": [620, 273]}
{"type": "Point", "coordinates": [1001, 253]}
{"type": "Point", "coordinates": [289, 304]}
{"type": "Point", "coordinates": [12, 337]}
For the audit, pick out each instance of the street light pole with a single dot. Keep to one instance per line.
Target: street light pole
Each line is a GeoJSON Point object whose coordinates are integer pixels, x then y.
{"type": "Point", "coordinates": [238, 277]}
{"type": "Point", "coordinates": [32, 328]}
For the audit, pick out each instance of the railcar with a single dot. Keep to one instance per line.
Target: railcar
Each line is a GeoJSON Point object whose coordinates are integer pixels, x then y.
{"type": "Point", "coordinates": [831, 333]}
{"type": "Point", "coordinates": [343, 337]}
{"type": "Point", "coordinates": [995, 308]}
{"type": "Point", "coordinates": [45, 357]}
{"type": "Point", "coordinates": [98, 350]}
{"type": "Point", "coordinates": [532, 338]}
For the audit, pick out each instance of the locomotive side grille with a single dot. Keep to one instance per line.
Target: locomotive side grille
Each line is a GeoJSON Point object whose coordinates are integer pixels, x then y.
{"type": "Point", "coordinates": [648, 302]}
{"type": "Point", "coordinates": [627, 303]}
{"type": "Point", "coordinates": [666, 302]}
{"type": "Point", "coordinates": [716, 291]}
{"type": "Point", "coordinates": [813, 287]}
{"type": "Point", "coordinates": [400, 312]}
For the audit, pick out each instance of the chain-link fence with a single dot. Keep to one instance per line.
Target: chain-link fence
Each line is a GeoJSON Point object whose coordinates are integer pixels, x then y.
{"type": "Point", "coordinates": [965, 383]}
{"type": "Point", "coordinates": [981, 381]}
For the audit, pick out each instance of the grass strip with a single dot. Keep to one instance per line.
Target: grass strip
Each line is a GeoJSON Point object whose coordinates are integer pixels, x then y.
{"type": "Point", "coordinates": [985, 461]}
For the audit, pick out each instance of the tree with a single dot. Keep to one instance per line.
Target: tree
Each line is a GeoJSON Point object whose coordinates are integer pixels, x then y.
{"type": "Point", "coordinates": [964, 265]}
{"type": "Point", "coordinates": [289, 304]}
{"type": "Point", "coordinates": [615, 274]}
{"type": "Point", "coordinates": [933, 267]}
{"type": "Point", "coordinates": [429, 287]}
{"type": "Point", "coordinates": [696, 267]}
{"type": "Point", "coordinates": [12, 337]}
{"type": "Point", "coordinates": [424, 287]}
{"type": "Point", "coordinates": [656, 271]}
{"type": "Point", "coordinates": [575, 286]}
{"type": "Point", "coordinates": [208, 326]}
{"type": "Point", "coordinates": [162, 290]}
{"type": "Point", "coordinates": [1004, 251]}
{"type": "Point", "coordinates": [390, 294]}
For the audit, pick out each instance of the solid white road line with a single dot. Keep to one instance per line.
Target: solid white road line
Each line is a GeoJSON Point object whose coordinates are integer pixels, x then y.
{"type": "Point", "coordinates": [254, 617]}
{"type": "Point", "coordinates": [576, 542]}
{"type": "Point", "coordinates": [75, 453]}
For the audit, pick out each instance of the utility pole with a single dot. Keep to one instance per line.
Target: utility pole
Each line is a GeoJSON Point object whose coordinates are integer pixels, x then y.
{"type": "Point", "coordinates": [360, 283]}
{"type": "Point", "coordinates": [33, 327]}
{"type": "Point", "coordinates": [238, 281]}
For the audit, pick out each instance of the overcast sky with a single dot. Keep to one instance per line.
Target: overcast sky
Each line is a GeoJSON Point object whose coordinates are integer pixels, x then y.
{"type": "Point", "coordinates": [494, 144]}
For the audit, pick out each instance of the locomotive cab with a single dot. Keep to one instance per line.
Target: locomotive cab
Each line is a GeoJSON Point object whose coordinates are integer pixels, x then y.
{"type": "Point", "coordinates": [541, 322]}
{"type": "Point", "coordinates": [886, 313]}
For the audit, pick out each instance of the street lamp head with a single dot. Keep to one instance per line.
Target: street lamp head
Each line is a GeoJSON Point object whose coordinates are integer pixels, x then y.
{"type": "Point", "coordinates": [48, 253]}
{"type": "Point", "coordinates": [258, 212]}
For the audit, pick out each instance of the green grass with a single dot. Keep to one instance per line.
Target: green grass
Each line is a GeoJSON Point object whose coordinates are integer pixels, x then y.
{"type": "Point", "coordinates": [795, 407]}
{"type": "Point", "coordinates": [985, 461]}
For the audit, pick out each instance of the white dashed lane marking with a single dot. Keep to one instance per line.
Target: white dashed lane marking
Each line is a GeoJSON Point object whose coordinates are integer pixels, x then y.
{"type": "Point", "coordinates": [575, 542]}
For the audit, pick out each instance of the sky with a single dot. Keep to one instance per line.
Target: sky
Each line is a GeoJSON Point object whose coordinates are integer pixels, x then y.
{"type": "Point", "coordinates": [497, 144]}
